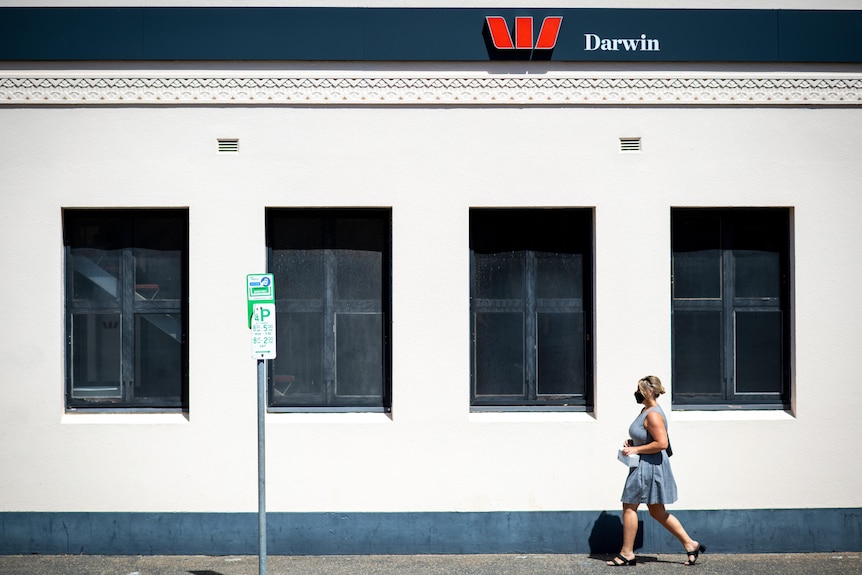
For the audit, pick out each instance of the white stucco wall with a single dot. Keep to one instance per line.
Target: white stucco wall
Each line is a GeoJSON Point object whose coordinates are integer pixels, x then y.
{"type": "Point", "coordinates": [430, 165]}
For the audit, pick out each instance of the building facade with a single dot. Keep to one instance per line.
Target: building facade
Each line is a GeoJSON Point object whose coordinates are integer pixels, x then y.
{"type": "Point", "coordinates": [485, 224]}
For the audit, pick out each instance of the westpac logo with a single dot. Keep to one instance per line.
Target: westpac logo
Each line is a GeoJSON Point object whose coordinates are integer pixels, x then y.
{"type": "Point", "coordinates": [525, 41]}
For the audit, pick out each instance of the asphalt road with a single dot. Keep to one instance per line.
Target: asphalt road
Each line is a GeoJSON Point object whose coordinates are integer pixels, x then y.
{"type": "Point", "coordinates": [709, 564]}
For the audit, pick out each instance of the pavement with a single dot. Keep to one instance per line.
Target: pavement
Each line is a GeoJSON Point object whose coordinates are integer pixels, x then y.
{"type": "Point", "coordinates": [709, 564]}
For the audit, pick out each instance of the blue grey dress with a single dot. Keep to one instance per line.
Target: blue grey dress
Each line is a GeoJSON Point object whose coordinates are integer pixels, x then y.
{"type": "Point", "coordinates": [652, 480]}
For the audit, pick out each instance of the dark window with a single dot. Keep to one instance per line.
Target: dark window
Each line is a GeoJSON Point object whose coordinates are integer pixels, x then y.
{"type": "Point", "coordinates": [126, 300]}
{"type": "Point", "coordinates": [731, 314]}
{"type": "Point", "coordinates": [531, 307]}
{"type": "Point", "coordinates": [332, 282]}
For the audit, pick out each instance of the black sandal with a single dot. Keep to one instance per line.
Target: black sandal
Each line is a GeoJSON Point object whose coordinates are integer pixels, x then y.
{"type": "Point", "coordinates": [625, 562]}
{"type": "Point", "coordinates": [693, 555]}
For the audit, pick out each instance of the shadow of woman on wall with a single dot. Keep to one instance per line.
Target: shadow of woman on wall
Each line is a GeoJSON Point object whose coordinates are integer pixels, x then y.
{"type": "Point", "coordinates": [607, 533]}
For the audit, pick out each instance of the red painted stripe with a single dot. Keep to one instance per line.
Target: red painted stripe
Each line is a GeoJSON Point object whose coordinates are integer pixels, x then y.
{"type": "Point", "coordinates": [549, 32]}
{"type": "Point", "coordinates": [524, 33]}
{"type": "Point", "coordinates": [499, 32]}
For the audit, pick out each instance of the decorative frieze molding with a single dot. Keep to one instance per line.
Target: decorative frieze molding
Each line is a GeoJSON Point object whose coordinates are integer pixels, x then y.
{"type": "Point", "coordinates": [429, 90]}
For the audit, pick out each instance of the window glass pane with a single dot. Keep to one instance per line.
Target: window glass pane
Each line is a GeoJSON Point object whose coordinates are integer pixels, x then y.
{"type": "Point", "coordinates": [299, 274]}
{"type": "Point", "coordinates": [359, 243]}
{"type": "Point", "coordinates": [96, 274]}
{"type": "Point", "coordinates": [561, 349]}
{"type": "Point", "coordinates": [758, 352]}
{"type": "Point", "coordinates": [759, 228]}
{"type": "Point", "coordinates": [757, 274]}
{"type": "Point", "coordinates": [361, 232]}
{"type": "Point", "coordinates": [559, 275]}
{"type": "Point", "coordinates": [97, 229]}
{"type": "Point", "coordinates": [297, 370]}
{"type": "Point", "coordinates": [697, 352]}
{"type": "Point", "coordinates": [360, 275]}
{"type": "Point", "coordinates": [296, 229]}
{"type": "Point", "coordinates": [158, 274]}
{"type": "Point", "coordinates": [359, 355]}
{"type": "Point", "coordinates": [498, 242]}
{"type": "Point", "coordinates": [499, 354]}
{"type": "Point", "coordinates": [95, 240]}
{"type": "Point", "coordinates": [696, 255]}
{"type": "Point", "coordinates": [96, 355]}
{"type": "Point", "coordinates": [759, 238]}
{"type": "Point", "coordinates": [297, 258]}
{"type": "Point", "coordinates": [157, 241]}
{"type": "Point", "coordinates": [158, 230]}
{"type": "Point", "coordinates": [697, 274]}
{"type": "Point", "coordinates": [158, 356]}
{"type": "Point", "coordinates": [499, 276]}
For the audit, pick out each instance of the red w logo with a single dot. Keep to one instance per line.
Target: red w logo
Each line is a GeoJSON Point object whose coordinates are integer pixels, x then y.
{"type": "Point", "coordinates": [524, 33]}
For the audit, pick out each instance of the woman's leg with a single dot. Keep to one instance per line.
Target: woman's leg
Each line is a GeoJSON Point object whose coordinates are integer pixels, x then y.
{"type": "Point", "coordinates": [630, 531]}
{"type": "Point", "coordinates": [672, 524]}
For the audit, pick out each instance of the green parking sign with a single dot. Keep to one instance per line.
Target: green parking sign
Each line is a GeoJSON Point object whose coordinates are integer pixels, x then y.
{"type": "Point", "coordinates": [260, 290]}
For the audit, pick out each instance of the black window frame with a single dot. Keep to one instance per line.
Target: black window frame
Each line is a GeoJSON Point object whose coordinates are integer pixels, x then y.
{"type": "Point", "coordinates": [332, 308]}
{"type": "Point", "coordinates": [714, 379]}
{"type": "Point", "coordinates": [541, 232]}
{"type": "Point", "coordinates": [130, 304]}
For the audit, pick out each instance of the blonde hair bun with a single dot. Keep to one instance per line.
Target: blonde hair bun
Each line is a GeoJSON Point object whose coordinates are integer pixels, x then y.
{"type": "Point", "coordinates": [652, 382]}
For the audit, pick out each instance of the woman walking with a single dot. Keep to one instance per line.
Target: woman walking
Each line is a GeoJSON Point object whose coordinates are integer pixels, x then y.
{"type": "Point", "coordinates": [652, 481]}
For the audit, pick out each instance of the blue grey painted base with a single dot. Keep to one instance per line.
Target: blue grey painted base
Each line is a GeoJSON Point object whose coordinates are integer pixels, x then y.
{"type": "Point", "coordinates": [578, 532]}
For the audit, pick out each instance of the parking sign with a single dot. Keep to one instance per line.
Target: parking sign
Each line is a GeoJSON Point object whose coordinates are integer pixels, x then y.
{"type": "Point", "coordinates": [260, 290]}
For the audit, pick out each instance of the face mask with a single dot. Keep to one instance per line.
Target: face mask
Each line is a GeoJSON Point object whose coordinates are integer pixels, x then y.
{"type": "Point", "coordinates": [639, 397]}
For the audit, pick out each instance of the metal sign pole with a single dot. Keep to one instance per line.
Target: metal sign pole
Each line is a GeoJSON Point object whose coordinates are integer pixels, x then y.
{"type": "Point", "coordinates": [261, 321]}
{"type": "Point", "coordinates": [261, 465]}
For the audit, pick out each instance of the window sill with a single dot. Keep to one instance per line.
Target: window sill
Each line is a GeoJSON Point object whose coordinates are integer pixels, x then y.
{"type": "Point", "coordinates": [114, 418]}
{"type": "Point", "coordinates": [328, 417]}
{"type": "Point", "coordinates": [531, 417]}
{"type": "Point", "coordinates": [733, 415]}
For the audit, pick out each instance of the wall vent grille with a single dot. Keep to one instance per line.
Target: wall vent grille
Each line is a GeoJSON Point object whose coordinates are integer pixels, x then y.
{"type": "Point", "coordinates": [228, 145]}
{"type": "Point", "coordinates": [630, 144]}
